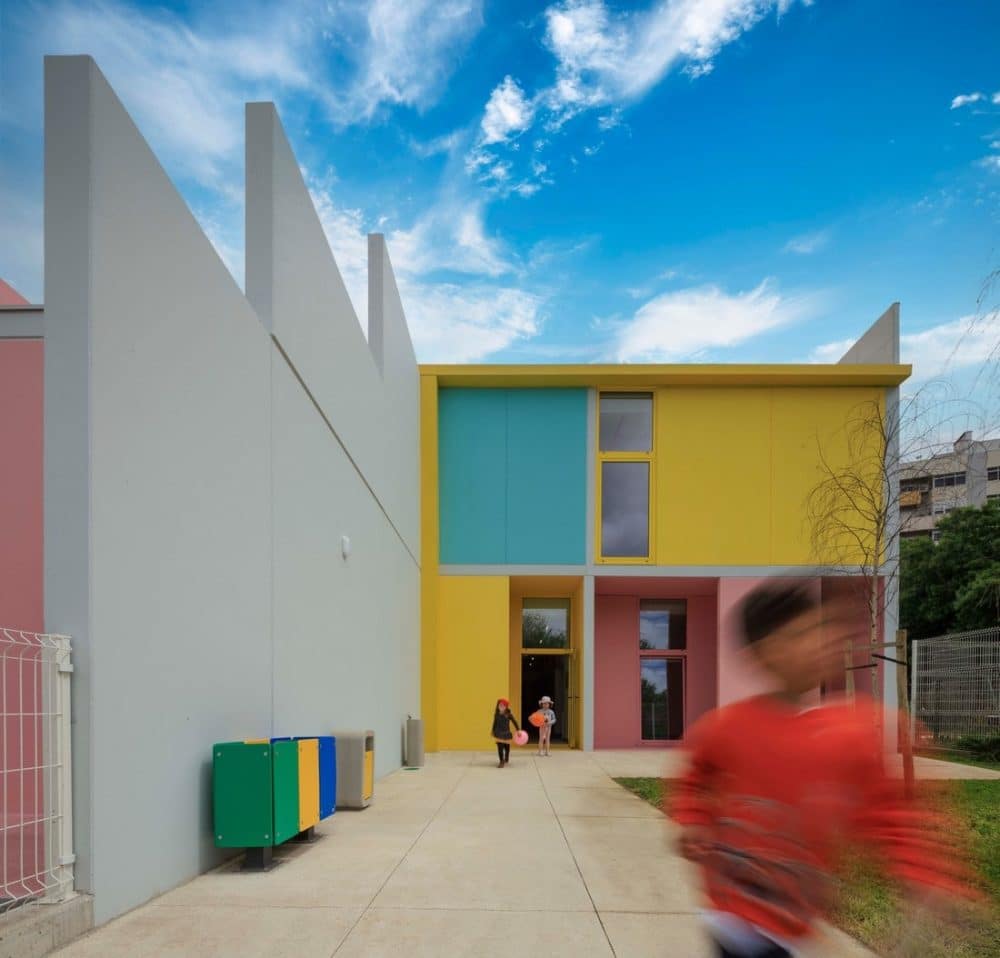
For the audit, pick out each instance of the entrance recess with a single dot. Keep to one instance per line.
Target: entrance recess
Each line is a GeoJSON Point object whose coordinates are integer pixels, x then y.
{"type": "Point", "coordinates": [545, 654]}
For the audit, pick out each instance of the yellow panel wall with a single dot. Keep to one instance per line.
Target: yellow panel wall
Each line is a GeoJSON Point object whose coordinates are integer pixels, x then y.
{"type": "Point", "coordinates": [473, 664]}
{"type": "Point", "coordinates": [805, 421]}
{"type": "Point", "coordinates": [713, 476]}
{"type": "Point", "coordinates": [735, 465]}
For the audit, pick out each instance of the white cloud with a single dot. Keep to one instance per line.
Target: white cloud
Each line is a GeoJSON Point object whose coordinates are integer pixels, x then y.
{"type": "Point", "coordinates": [831, 352]}
{"type": "Point", "coordinates": [448, 322]}
{"type": "Point", "coordinates": [444, 144]}
{"type": "Point", "coordinates": [991, 163]}
{"type": "Point", "coordinates": [995, 99]}
{"type": "Point", "coordinates": [606, 59]}
{"type": "Point", "coordinates": [460, 324]}
{"type": "Point", "coordinates": [508, 112]}
{"type": "Point", "coordinates": [186, 83]}
{"type": "Point", "coordinates": [682, 324]}
{"type": "Point", "coordinates": [965, 99]}
{"type": "Point", "coordinates": [609, 58]}
{"type": "Point", "coordinates": [938, 350]}
{"type": "Point", "coordinates": [450, 236]}
{"type": "Point", "coordinates": [969, 341]}
{"type": "Point", "coordinates": [347, 233]}
{"type": "Point", "coordinates": [186, 89]}
{"type": "Point", "coordinates": [408, 54]}
{"type": "Point", "coordinates": [808, 243]}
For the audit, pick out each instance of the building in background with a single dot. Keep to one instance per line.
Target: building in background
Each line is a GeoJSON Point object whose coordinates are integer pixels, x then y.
{"type": "Point", "coordinates": [968, 475]}
{"type": "Point", "coordinates": [585, 536]}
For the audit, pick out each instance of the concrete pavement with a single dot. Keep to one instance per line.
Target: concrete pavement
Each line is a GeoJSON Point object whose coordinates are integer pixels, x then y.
{"type": "Point", "coordinates": [460, 858]}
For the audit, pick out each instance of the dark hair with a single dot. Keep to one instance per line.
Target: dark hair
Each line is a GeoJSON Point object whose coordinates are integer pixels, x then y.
{"type": "Point", "coordinates": [769, 607]}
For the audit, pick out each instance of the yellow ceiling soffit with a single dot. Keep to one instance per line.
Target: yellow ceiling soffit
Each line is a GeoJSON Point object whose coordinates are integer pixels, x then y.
{"type": "Point", "coordinates": [688, 374]}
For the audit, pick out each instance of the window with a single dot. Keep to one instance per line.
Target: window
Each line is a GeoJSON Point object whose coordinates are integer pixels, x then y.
{"type": "Point", "coordinates": [943, 508]}
{"type": "Point", "coordinates": [662, 626]}
{"type": "Point", "coordinates": [993, 474]}
{"type": "Point", "coordinates": [662, 699]}
{"type": "Point", "coordinates": [625, 475]}
{"type": "Point", "coordinates": [625, 509]}
{"type": "Point", "coordinates": [935, 535]}
{"type": "Point", "coordinates": [993, 496]}
{"type": "Point", "coordinates": [662, 653]}
{"type": "Point", "coordinates": [545, 624]}
{"type": "Point", "coordinates": [626, 422]}
{"type": "Point", "coordinates": [949, 479]}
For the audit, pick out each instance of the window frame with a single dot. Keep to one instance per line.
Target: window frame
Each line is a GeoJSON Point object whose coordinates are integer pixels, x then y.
{"type": "Point", "coordinates": [627, 456]}
{"type": "Point", "coordinates": [680, 655]}
{"type": "Point", "coordinates": [540, 650]}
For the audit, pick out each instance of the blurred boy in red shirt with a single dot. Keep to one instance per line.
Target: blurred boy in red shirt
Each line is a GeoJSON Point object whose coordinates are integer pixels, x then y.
{"type": "Point", "coordinates": [776, 789]}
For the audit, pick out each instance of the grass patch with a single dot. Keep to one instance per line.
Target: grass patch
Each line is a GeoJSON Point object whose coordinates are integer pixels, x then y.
{"type": "Point", "coordinates": [871, 909]}
{"type": "Point", "coordinates": [650, 790]}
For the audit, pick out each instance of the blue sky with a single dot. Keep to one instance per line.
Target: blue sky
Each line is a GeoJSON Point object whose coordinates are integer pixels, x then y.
{"type": "Point", "coordinates": [669, 180]}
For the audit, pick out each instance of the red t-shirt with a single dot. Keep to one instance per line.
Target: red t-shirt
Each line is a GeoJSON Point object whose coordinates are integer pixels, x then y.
{"type": "Point", "coordinates": [780, 791]}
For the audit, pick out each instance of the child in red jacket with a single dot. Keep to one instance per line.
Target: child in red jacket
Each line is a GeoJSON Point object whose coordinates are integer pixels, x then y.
{"type": "Point", "coordinates": [775, 790]}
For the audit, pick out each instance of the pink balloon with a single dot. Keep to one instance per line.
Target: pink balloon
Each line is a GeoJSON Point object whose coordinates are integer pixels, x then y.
{"type": "Point", "coordinates": [521, 737]}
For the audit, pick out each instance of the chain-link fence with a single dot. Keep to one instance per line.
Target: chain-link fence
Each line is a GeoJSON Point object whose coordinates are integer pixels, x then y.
{"type": "Point", "coordinates": [955, 687]}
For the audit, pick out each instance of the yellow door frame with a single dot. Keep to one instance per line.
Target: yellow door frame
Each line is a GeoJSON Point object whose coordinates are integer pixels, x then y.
{"type": "Point", "coordinates": [549, 587]}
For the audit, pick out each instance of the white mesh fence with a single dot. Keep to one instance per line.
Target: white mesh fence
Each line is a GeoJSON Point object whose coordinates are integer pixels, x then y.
{"type": "Point", "coordinates": [955, 686]}
{"type": "Point", "coordinates": [36, 829]}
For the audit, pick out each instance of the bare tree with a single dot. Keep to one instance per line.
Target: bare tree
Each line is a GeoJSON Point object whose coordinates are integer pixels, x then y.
{"type": "Point", "coordinates": [853, 512]}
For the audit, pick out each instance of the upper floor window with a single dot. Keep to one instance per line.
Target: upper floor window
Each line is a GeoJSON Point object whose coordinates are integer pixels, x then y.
{"type": "Point", "coordinates": [626, 422]}
{"type": "Point", "coordinates": [993, 474]}
{"type": "Point", "coordinates": [625, 475]}
{"type": "Point", "coordinates": [949, 479]}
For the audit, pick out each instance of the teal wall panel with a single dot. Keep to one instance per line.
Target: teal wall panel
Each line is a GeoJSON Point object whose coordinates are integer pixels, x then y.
{"type": "Point", "coordinates": [472, 453]}
{"type": "Point", "coordinates": [512, 474]}
{"type": "Point", "coordinates": [546, 476]}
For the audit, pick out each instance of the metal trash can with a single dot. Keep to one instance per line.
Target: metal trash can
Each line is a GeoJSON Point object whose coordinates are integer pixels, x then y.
{"type": "Point", "coordinates": [355, 768]}
{"type": "Point", "coordinates": [414, 750]}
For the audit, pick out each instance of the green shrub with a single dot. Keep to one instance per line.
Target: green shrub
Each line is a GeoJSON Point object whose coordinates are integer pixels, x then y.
{"type": "Point", "coordinates": [986, 749]}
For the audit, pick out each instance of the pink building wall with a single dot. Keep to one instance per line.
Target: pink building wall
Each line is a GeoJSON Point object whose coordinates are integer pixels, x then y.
{"type": "Point", "coordinates": [21, 438]}
{"type": "Point", "coordinates": [21, 607]}
{"type": "Point", "coordinates": [738, 677]}
{"type": "Point", "coordinates": [617, 721]}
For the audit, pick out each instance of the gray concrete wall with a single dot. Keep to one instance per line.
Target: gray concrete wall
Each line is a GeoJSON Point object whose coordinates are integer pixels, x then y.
{"type": "Point", "coordinates": [880, 342]}
{"type": "Point", "coordinates": [198, 482]}
{"type": "Point", "coordinates": [880, 345]}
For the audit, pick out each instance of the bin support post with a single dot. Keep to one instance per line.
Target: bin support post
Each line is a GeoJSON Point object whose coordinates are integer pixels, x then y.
{"type": "Point", "coordinates": [259, 859]}
{"type": "Point", "coordinates": [307, 837]}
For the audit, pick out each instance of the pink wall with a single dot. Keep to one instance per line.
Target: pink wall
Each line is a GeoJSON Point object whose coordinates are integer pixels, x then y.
{"type": "Point", "coordinates": [738, 678]}
{"type": "Point", "coordinates": [616, 653]}
{"type": "Point", "coordinates": [21, 436]}
{"type": "Point", "coordinates": [21, 571]}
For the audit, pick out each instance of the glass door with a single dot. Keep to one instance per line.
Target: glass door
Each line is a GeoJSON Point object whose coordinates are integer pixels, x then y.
{"type": "Point", "coordinates": [549, 666]}
{"type": "Point", "coordinates": [662, 662]}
